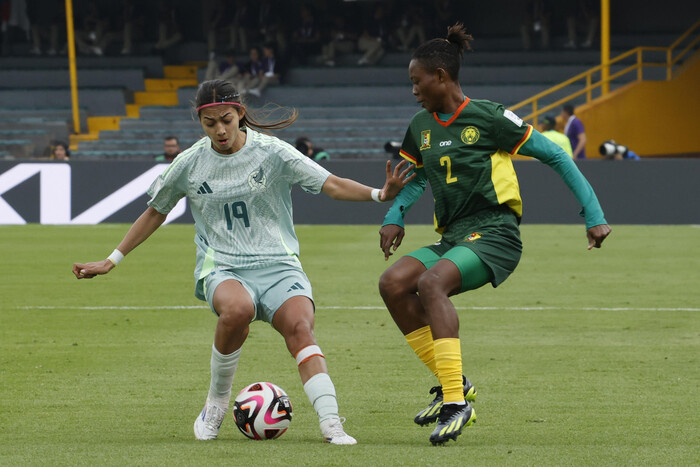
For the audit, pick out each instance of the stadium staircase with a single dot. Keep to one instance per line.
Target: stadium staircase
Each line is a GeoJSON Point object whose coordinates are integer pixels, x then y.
{"type": "Point", "coordinates": [647, 87]}
{"type": "Point", "coordinates": [128, 104]}
{"type": "Point", "coordinates": [157, 92]}
{"type": "Point", "coordinates": [348, 110]}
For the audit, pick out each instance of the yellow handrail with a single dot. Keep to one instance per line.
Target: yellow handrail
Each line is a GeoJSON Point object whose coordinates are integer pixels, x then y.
{"type": "Point", "coordinates": [70, 32]}
{"type": "Point", "coordinates": [669, 62]}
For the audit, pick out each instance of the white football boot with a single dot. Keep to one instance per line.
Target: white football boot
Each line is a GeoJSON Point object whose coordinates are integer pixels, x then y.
{"type": "Point", "coordinates": [207, 424]}
{"type": "Point", "coordinates": [332, 430]}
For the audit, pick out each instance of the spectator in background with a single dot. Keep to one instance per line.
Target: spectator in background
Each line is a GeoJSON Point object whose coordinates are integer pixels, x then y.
{"type": "Point", "coordinates": [617, 152]}
{"type": "Point", "coordinates": [212, 15]}
{"type": "Point", "coordinates": [536, 19]}
{"type": "Point", "coordinates": [132, 24]}
{"type": "Point", "coordinates": [341, 40]}
{"type": "Point", "coordinates": [373, 37]}
{"type": "Point", "coordinates": [233, 18]}
{"type": "Point", "coordinates": [589, 12]}
{"type": "Point", "coordinates": [227, 69]}
{"type": "Point", "coordinates": [271, 27]}
{"type": "Point", "coordinates": [91, 38]}
{"type": "Point", "coordinates": [306, 147]}
{"type": "Point", "coordinates": [269, 73]}
{"type": "Point", "coordinates": [547, 129]}
{"type": "Point", "coordinates": [411, 29]}
{"type": "Point", "coordinates": [307, 35]}
{"type": "Point", "coordinates": [238, 20]}
{"type": "Point", "coordinates": [442, 12]}
{"type": "Point", "coordinates": [171, 148]}
{"type": "Point", "coordinates": [575, 131]}
{"type": "Point", "coordinates": [251, 71]}
{"type": "Point", "coordinates": [169, 32]}
{"type": "Point", "coordinates": [60, 151]}
{"type": "Point", "coordinates": [46, 19]}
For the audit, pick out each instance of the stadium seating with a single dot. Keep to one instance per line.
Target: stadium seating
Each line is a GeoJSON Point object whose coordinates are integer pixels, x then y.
{"type": "Point", "coordinates": [348, 110]}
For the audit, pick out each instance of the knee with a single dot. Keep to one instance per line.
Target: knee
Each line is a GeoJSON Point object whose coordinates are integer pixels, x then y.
{"type": "Point", "coordinates": [235, 316]}
{"type": "Point", "coordinates": [298, 336]}
{"type": "Point", "coordinates": [430, 285]}
{"type": "Point", "coordinates": [391, 284]}
{"type": "Point", "coordinates": [302, 331]}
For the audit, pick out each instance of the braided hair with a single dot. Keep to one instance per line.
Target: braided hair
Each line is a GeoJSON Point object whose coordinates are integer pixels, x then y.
{"type": "Point", "coordinates": [445, 53]}
{"type": "Point", "coordinates": [219, 90]}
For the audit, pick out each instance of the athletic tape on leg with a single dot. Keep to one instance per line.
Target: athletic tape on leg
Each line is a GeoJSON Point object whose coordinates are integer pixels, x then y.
{"type": "Point", "coordinates": [307, 352]}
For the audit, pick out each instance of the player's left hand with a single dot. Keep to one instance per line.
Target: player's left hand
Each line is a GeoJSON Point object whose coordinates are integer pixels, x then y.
{"type": "Point", "coordinates": [390, 235]}
{"type": "Point", "coordinates": [395, 180]}
{"type": "Point", "coordinates": [597, 234]}
{"type": "Point", "coordinates": [90, 270]}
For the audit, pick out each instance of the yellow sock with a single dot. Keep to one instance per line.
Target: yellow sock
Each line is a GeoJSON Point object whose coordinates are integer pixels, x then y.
{"type": "Point", "coordinates": [448, 360]}
{"type": "Point", "coordinates": [421, 341]}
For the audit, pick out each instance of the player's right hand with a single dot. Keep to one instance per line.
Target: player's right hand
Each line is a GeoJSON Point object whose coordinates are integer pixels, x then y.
{"type": "Point", "coordinates": [90, 270]}
{"type": "Point", "coordinates": [597, 234]}
{"type": "Point", "coordinates": [390, 235]}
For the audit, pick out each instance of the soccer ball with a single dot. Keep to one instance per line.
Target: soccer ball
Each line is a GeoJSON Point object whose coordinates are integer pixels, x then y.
{"type": "Point", "coordinates": [262, 411]}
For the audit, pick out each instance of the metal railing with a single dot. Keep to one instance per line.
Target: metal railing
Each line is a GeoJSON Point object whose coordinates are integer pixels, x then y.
{"type": "Point", "coordinates": [673, 58]}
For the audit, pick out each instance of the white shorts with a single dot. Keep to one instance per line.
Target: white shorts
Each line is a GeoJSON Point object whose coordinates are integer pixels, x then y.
{"type": "Point", "coordinates": [268, 287]}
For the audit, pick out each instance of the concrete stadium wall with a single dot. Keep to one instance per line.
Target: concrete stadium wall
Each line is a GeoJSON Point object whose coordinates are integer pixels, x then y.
{"type": "Point", "coordinates": [651, 118]}
{"type": "Point", "coordinates": [105, 101]}
{"type": "Point", "coordinates": [82, 192]}
{"type": "Point", "coordinates": [59, 78]}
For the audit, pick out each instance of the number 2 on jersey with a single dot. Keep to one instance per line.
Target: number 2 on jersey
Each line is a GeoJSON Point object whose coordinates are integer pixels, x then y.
{"type": "Point", "coordinates": [445, 160]}
{"type": "Point", "coordinates": [237, 210]}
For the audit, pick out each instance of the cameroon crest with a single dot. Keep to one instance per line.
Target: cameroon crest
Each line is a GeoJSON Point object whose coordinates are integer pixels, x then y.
{"type": "Point", "coordinates": [424, 140]}
{"type": "Point", "coordinates": [470, 135]}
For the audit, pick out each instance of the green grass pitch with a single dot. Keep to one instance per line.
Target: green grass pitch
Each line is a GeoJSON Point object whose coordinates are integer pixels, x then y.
{"type": "Point", "coordinates": [580, 358]}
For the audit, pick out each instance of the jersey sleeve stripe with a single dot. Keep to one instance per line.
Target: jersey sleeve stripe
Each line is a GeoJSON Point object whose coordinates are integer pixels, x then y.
{"type": "Point", "coordinates": [526, 137]}
{"type": "Point", "coordinates": [410, 158]}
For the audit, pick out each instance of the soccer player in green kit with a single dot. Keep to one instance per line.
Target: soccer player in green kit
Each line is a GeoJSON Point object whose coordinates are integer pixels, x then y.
{"type": "Point", "coordinates": [462, 147]}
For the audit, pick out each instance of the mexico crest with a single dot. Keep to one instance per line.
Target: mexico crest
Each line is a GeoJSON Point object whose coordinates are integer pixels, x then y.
{"type": "Point", "coordinates": [257, 180]}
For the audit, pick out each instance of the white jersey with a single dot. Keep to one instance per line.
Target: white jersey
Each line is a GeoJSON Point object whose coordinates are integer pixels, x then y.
{"type": "Point", "coordinates": [241, 202]}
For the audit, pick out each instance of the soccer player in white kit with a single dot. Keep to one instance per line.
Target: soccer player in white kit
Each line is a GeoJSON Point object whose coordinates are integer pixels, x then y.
{"type": "Point", "coordinates": [238, 182]}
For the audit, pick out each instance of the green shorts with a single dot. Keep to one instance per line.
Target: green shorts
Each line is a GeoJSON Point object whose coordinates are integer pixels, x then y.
{"type": "Point", "coordinates": [493, 235]}
{"type": "Point", "coordinates": [268, 287]}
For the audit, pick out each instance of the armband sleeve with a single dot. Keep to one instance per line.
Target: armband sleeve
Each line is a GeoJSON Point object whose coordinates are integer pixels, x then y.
{"type": "Point", "coordinates": [406, 198]}
{"type": "Point", "coordinates": [544, 150]}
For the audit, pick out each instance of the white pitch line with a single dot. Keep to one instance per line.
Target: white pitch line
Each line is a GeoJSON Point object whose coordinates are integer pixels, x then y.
{"type": "Point", "coordinates": [475, 308]}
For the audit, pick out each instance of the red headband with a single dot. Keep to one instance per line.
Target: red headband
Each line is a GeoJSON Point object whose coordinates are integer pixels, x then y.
{"type": "Point", "coordinates": [238, 104]}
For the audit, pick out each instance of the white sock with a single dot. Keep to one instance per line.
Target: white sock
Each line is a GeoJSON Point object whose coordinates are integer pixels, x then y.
{"type": "Point", "coordinates": [321, 392]}
{"type": "Point", "coordinates": [223, 368]}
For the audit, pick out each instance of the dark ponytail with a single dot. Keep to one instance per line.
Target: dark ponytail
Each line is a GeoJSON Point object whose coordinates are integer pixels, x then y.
{"type": "Point", "coordinates": [219, 90]}
{"type": "Point", "coordinates": [458, 36]}
{"type": "Point", "coordinates": [445, 53]}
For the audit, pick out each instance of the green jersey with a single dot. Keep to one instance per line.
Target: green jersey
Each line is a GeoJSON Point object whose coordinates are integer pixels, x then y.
{"type": "Point", "coordinates": [467, 158]}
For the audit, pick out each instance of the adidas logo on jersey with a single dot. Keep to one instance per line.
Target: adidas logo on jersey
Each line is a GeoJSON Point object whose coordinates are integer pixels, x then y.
{"type": "Point", "coordinates": [204, 189]}
{"type": "Point", "coordinates": [296, 286]}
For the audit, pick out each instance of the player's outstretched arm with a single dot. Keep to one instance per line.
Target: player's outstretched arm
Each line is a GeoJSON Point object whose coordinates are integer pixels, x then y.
{"type": "Point", "coordinates": [541, 148]}
{"type": "Point", "coordinates": [145, 225]}
{"type": "Point", "coordinates": [349, 190]}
